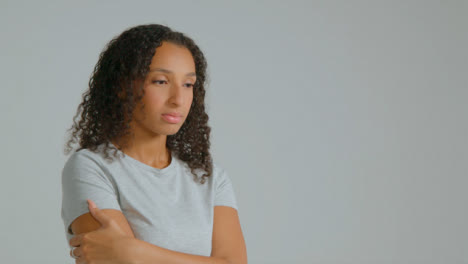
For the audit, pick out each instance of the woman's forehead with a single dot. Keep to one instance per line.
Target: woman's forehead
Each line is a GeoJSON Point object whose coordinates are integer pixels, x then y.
{"type": "Point", "coordinates": [172, 58]}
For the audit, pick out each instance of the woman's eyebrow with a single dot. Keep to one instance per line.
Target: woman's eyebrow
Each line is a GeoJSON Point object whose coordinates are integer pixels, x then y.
{"type": "Point", "coordinates": [168, 71]}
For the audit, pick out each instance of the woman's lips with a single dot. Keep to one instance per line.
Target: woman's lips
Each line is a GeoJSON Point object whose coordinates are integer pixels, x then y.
{"type": "Point", "coordinates": [172, 119]}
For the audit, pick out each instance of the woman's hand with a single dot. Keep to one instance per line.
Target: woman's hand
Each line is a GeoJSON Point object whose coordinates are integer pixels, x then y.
{"type": "Point", "coordinates": [106, 245]}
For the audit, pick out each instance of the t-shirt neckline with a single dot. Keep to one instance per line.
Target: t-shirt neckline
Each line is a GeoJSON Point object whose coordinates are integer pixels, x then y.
{"type": "Point", "coordinates": [139, 164]}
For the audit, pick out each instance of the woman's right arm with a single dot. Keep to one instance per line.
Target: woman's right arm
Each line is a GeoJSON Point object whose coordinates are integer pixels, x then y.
{"type": "Point", "coordinates": [86, 222]}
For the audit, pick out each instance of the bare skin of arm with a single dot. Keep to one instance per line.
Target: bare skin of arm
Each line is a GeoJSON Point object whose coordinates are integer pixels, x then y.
{"type": "Point", "coordinates": [228, 241]}
{"type": "Point", "coordinates": [86, 222]}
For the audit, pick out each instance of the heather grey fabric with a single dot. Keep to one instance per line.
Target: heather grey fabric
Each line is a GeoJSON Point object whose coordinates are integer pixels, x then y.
{"type": "Point", "coordinates": [165, 207]}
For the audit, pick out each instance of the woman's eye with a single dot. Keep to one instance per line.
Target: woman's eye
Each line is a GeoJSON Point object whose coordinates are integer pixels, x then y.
{"type": "Point", "coordinates": [163, 81]}
{"type": "Point", "coordinates": [159, 81]}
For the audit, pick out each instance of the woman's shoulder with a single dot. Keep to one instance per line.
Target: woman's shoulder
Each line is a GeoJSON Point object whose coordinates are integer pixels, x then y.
{"type": "Point", "coordinates": [217, 168]}
{"type": "Point", "coordinates": [86, 156]}
{"type": "Point", "coordinates": [218, 171]}
{"type": "Point", "coordinates": [85, 164]}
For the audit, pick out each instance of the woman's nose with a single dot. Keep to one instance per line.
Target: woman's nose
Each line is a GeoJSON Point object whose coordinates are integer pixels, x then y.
{"type": "Point", "coordinates": [177, 93]}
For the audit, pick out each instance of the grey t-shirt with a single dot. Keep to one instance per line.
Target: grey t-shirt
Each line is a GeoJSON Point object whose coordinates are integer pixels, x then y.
{"type": "Point", "coordinates": [165, 207]}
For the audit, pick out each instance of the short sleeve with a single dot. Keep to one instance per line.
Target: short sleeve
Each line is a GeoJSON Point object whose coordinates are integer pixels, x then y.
{"type": "Point", "coordinates": [83, 178]}
{"type": "Point", "coordinates": [224, 190]}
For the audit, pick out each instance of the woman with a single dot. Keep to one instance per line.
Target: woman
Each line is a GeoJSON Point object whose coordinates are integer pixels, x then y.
{"type": "Point", "coordinates": [159, 196]}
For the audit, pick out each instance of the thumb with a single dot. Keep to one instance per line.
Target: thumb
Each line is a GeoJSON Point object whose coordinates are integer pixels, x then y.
{"type": "Point", "coordinates": [97, 213]}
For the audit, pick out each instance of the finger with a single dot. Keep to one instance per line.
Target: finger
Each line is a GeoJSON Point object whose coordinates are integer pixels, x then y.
{"type": "Point", "coordinates": [80, 256]}
{"type": "Point", "coordinates": [75, 252]}
{"type": "Point", "coordinates": [81, 261]}
{"type": "Point", "coordinates": [98, 214]}
{"type": "Point", "coordinates": [91, 204]}
{"type": "Point", "coordinates": [75, 241]}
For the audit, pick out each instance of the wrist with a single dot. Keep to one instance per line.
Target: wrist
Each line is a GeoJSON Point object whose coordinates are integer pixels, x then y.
{"type": "Point", "coordinates": [142, 252]}
{"type": "Point", "coordinates": [130, 250]}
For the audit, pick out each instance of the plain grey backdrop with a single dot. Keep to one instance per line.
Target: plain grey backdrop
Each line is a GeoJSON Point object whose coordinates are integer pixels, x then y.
{"type": "Point", "coordinates": [343, 124]}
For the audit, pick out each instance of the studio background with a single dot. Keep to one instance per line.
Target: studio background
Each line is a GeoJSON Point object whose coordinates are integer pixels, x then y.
{"type": "Point", "coordinates": [343, 124]}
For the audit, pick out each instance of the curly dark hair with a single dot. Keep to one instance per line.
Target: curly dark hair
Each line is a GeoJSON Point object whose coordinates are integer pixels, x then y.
{"type": "Point", "coordinates": [107, 107]}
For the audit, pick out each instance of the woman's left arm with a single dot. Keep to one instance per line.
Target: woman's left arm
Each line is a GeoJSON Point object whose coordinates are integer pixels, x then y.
{"type": "Point", "coordinates": [228, 245]}
{"type": "Point", "coordinates": [111, 244]}
{"type": "Point", "coordinates": [142, 252]}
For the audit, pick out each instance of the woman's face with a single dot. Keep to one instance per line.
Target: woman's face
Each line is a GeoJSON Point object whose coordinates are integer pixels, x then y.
{"type": "Point", "coordinates": [168, 88]}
